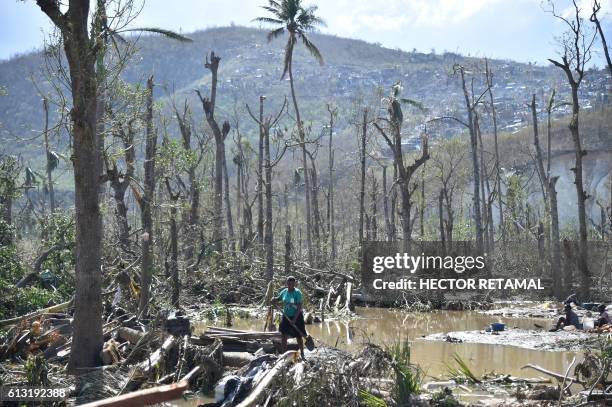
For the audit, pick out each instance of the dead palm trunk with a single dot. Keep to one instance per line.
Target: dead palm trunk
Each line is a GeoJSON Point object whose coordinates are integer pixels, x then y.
{"type": "Point", "coordinates": [302, 140]}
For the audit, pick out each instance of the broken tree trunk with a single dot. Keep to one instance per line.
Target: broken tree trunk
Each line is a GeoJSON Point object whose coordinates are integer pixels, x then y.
{"type": "Point", "coordinates": [147, 397]}
{"type": "Point", "coordinates": [259, 390]}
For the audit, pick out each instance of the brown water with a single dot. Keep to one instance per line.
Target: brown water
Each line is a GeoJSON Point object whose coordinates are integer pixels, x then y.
{"type": "Point", "coordinates": [384, 326]}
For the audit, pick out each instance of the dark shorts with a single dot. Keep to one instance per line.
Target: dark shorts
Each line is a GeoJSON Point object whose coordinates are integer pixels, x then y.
{"type": "Point", "coordinates": [288, 330]}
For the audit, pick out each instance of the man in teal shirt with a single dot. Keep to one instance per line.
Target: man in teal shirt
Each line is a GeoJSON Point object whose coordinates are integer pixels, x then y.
{"type": "Point", "coordinates": [292, 321]}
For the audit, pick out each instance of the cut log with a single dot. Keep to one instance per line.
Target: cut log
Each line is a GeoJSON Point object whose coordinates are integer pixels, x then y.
{"type": "Point", "coordinates": [237, 359]}
{"type": "Point", "coordinates": [152, 361]}
{"type": "Point", "coordinates": [146, 397]}
{"type": "Point", "coordinates": [130, 335]}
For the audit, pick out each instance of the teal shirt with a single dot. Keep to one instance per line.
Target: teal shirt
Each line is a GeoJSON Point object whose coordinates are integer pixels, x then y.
{"type": "Point", "coordinates": [290, 299]}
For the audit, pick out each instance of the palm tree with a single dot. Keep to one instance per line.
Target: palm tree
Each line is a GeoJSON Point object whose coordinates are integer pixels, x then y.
{"type": "Point", "coordinates": [297, 20]}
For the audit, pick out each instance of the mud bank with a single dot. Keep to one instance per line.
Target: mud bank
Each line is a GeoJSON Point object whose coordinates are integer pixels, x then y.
{"type": "Point", "coordinates": [522, 338]}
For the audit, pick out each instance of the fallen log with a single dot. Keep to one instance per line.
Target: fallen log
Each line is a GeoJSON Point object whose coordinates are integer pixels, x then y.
{"type": "Point", "coordinates": [131, 335]}
{"type": "Point", "coordinates": [237, 359]}
{"type": "Point", "coordinates": [259, 390]}
{"type": "Point", "coordinates": [553, 374]}
{"type": "Point", "coordinates": [48, 310]}
{"type": "Point", "coordinates": [152, 361]}
{"type": "Point", "coordinates": [150, 396]}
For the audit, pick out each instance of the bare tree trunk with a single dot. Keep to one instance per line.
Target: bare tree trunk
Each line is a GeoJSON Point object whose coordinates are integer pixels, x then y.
{"type": "Point", "coordinates": [594, 19]}
{"type": "Point", "coordinates": [489, 76]}
{"type": "Point", "coordinates": [260, 175]}
{"type": "Point", "coordinates": [174, 271]}
{"type": "Point", "coordinates": [316, 218]}
{"type": "Point", "coordinates": [388, 227]}
{"type": "Point", "coordinates": [581, 197]}
{"type": "Point", "coordinates": [374, 209]}
{"type": "Point", "coordinates": [576, 55]}
{"type": "Point", "coordinates": [302, 140]}
{"type": "Point", "coordinates": [475, 165]}
{"type": "Point", "coordinates": [49, 158]}
{"type": "Point", "coordinates": [393, 205]}
{"type": "Point", "coordinates": [332, 220]}
{"type": "Point", "coordinates": [228, 203]}
{"type": "Point", "coordinates": [288, 249]}
{"type": "Point", "coordinates": [193, 217]}
{"type": "Point", "coordinates": [441, 219]}
{"type": "Point", "coordinates": [405, 175]}
{"type": "Point", "coordinates": [120, 182]}
{"type": "Point", "coordinates": [146, 202]}
{"type": "Point", "coordinates": [488, 238]}
{"type": "Point", "coordinates": [208, 104]}
{"type": "Point", "coordinates": [422, 204]}
{"type": "Point", "coordinates": [268, 235]}
{"type": "Point", "coordinates": [556, 272]}
{"type": "Point", "coordinates": [362, 155]}
{"type": "Point", "coordinates": [87, 338]}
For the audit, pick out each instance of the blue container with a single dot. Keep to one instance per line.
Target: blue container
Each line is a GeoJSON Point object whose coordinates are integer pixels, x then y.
{"type": "Point", "coordinates": [497, 326]}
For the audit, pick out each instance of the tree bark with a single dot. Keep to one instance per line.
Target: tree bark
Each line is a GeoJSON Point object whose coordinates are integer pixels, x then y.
{"type": "Point", "coordinates": [260, 176]}
{"type": "Point", "coordinates": [87, 338]}
{"type": "Point", "coordinates": [475, 165]}
{"type": "Point", "coordinates": [268, 235]}
{"type": "Point", "coordinates": [489, 76]}
{"type": "Point", "coordinates": [362, 155]}
{"type": "Point", "coordinates": [49, 169]}
{"type": "Point", "coordinates": [193, 217]}
{"type": "Point", "coordinates": [386, 205]}
{"type": "Point", "coordinates": [556, 272]}
{"type": "Point", "coordinates": [302, 140]}
{"type": "Point", "coordinates": [208, 104]}
{"type": "Point", "coordinates": [332, 220]}
{"type": "Point", "coordinates": [174, 271]}
{"type": "Point", "coordinates": [146, 203]}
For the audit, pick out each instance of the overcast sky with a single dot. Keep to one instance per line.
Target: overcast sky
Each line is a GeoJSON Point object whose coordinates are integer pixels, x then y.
{"type": "Point", "coordinates": [513, 29]}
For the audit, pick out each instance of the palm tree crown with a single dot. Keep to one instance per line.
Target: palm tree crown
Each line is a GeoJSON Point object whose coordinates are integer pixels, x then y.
{"type": "Point", "coordinates": [290, 15]}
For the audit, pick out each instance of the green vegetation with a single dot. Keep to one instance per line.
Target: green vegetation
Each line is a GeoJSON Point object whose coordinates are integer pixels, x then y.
{"type": "Point", "coordinates": [462, 373]}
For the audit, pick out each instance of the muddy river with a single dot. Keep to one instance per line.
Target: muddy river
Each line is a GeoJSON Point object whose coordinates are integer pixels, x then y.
{"type": "Point", "coordinates": [386, 326]}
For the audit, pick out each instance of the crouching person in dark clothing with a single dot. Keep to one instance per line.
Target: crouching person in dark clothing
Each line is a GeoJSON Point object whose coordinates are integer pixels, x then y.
{"type": "Point", "coordinates": [570, 318]}
{"type": "Point", "coordinates": [292, 320]}
{"type": "Point", "coordinates": [604, 317]}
